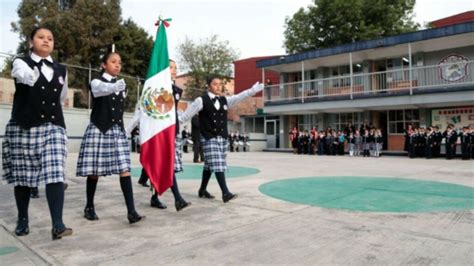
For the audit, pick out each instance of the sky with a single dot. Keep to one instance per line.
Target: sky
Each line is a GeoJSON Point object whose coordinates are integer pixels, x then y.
{"type": "Point", "coordinates": [252, 28]}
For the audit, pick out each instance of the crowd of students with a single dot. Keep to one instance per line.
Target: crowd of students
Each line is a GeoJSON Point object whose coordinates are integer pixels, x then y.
{"type": "Point", "coordinates": [426, 142]}
{"type": "Point", "coordinates": [365, 141]}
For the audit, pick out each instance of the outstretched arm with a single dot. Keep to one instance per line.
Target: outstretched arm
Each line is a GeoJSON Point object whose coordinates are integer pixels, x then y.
{"type": "Point", "coordinates": [234, 99]}
{"type": "Point", "coordinates": [22, 73]}
{"type": "Point", "coordinates": [100, 88]}
{"type": "Point", "coordinates": [193, 109]}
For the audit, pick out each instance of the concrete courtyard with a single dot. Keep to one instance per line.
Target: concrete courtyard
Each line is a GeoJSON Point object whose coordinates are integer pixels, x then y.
{"type": "Point", "coordinates": [254, 228]}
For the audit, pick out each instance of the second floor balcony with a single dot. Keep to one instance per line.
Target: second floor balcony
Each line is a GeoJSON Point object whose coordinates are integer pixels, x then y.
{"type": "Point", "coordinates": [443, 77]}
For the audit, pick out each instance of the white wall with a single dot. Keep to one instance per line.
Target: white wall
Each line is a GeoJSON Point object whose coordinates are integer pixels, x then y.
{"type": "Point", "coordinates": [78, 119]}
{"type": "Point", "coordinates": [76, 123]}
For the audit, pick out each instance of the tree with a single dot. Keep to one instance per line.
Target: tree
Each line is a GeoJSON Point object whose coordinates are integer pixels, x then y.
{"type": "Point", "coordinates": [207, 57]}
{"type": "Point", "coordinates": [134, 45]}
{"type": "Point", "coordinates": [84, 31]}
{"type": "Point", "coordinates": [334, 22]}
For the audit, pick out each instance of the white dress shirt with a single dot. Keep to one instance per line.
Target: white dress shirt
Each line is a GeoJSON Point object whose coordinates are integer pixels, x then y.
{"type": "Point", "coordinates": [100, 88]}
{"type": "Point", "coordinates": [197, 105]}
{"type": "Point", "coordinates": [23, 73]}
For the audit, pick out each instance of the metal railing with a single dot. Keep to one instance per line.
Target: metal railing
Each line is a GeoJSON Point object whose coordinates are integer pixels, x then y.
{"type": "Point", "coordinates": [79, 78]}
{"type": "Point", "coordinates": [375, 83]}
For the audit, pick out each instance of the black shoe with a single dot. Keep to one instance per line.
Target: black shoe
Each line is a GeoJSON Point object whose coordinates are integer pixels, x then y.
{"type": "Point", "coordinates": [181, 205]}
{"type": "Point", "coordinates": [144, 184]}
{"type": "Point", "coordinates": [59, 233]}
{"type": "Point", "coordinates": [89, 214]}
{"type": "Point", "coordinates": [156, 203]}
{"type": "Point", "coordinates": [205, 194]}
{"type": "Point", "coordinates": [22, 228]}
{"type": "Point", "coordinates": [34, 194]}
{"type": "Point", "coordinates": [134, 217]}
{"type": "Point", "coordinates": [228, 196]}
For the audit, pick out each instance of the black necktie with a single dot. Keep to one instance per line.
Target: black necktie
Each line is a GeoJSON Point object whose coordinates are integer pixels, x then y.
{"type": "Point", "coordinates": [113, 80]}
{"type": "Point", "coordinates": [215, 99]}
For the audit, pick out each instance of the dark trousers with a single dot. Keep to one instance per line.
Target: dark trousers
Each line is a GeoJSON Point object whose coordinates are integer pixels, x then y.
{"type": "Point", "coordinates": [450, 151]}
{"type": "Point", "coordinates": [466, 151]}
{"type": "Point", "coordinates": [411, 151]}
{"type": "Point", "coordinates": [198, 152]}
{"type": "Point", "coordinates": [320, 148]}
{"type": "Point", "coordinates": [436, 150]}
{"type": "Point", "coordinates": [429, 151]}
{"type": "Point", "coordinates": [341, 149]}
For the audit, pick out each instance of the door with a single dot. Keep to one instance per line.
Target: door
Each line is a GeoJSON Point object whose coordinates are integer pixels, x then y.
{"type": "Point", "coordinates": [271, 132]}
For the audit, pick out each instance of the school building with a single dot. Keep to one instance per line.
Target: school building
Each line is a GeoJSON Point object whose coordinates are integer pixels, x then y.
{"type": "Point", "coordinates": [421, 78]}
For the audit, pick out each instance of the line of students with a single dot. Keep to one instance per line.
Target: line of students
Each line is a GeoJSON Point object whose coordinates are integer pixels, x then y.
{"type": "Point", "coordinates": [34, 147]}
{"type": "Point", "coordinates": [426, 143]}
{"type": "Point", "coordinates": [333, 142]}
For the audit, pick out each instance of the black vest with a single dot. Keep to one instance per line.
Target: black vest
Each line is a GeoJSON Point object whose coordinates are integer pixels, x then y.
{"type": "Point", "coordinates": [213, 122]}
{"type": "Point", "coordinates": [177, 92]}
{"type": "Point", "coordinates": [108, 110]}
{"type": "Point", "coordinates": [34, 106]}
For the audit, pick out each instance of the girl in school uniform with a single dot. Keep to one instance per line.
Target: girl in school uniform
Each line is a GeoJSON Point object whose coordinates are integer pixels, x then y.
{"type": "Point", "coordinates": [212, 108]}
{"type": "Point", "coordinates": [104, 148]}
{"type": "Point", "coordinates": [34, 147]}
{"type": "Point", "coordinates": [366, 143]}
{"type": "Point", "coordinates": [378, 139]}
{"type": "Point", "coordinates": [357, 143]}
{"type": "Point", "coordinates": [351, 141]}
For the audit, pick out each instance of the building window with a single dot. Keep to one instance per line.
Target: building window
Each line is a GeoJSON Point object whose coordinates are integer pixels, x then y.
{"type": "Point", "coordinates": [307, 122]}
{"type": "Point", "coordinates": [398, 120]}
{"type": "Point", "coordinates": [397, 69]}
{"type": "Point", "coordinates": [254, 125]}
{"type": "Point", "coordinates": [345, 118]}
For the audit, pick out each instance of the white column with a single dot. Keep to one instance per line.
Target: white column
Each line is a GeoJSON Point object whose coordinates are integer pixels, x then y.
{"type": "Point", "coordinates": [263, 81]}
{"type": "Point", "coordinates": [410, 69]}
{"type": "Point", "coordinates": [351, 73]}
{"type": "Point", "coordinates": [302, 81]}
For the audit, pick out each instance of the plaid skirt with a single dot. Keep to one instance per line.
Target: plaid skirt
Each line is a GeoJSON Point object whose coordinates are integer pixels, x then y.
{"type": "Point", "coordinates": [178, 155]}
{"type": "Point", "coordinates": [215, 152]}
{"type": "Point", "coordinates": [103, 154]}
{"type": "Point", "coordinates": [34, 156]}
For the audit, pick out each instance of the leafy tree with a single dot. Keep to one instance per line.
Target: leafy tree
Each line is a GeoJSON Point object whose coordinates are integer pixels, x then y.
{"type": "Point", "coordinates": [207, 57]}
{"type": "Point", "coordinates": [84, 31]}
{"type": "Point", "coordinates": [333, 22]}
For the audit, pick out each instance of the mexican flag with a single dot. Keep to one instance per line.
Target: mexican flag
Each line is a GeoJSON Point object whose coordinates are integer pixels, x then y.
{"type": "Point", "coordinates": [158, 117]}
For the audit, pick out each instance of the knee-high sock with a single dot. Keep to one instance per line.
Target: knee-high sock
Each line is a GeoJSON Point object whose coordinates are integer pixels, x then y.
{"type": "Point", "coordinates": [143, 176]}
{"type": "Point", "coordinates": [222, 184]}
{"type": "Point", "coordinates": [90, 191]}
{"type": "Point", "coordinates": [154, 196]}
{"type": "Point", "coordinates": [206, 175]}
{"type": "Point", "coordinates": [175, 190]}
{"type": "Point", "coordinates": [127, 190]}
{"type": "Point", "coordinates": [22, 198]}
{"type": "Point", "coordinates": [55, 196]}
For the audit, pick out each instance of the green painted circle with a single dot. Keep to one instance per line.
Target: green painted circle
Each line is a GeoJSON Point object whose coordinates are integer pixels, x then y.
{"type": "Point", "coordinates": [195, 172]}
{"type": "Point", "coordinates": [7, 250]}
{"type": "Point", "coordinates": [372, 194]}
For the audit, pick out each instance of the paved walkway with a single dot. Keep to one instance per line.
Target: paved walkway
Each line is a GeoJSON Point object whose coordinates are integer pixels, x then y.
{"type": "Point", "coordinates": [254, 228]}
